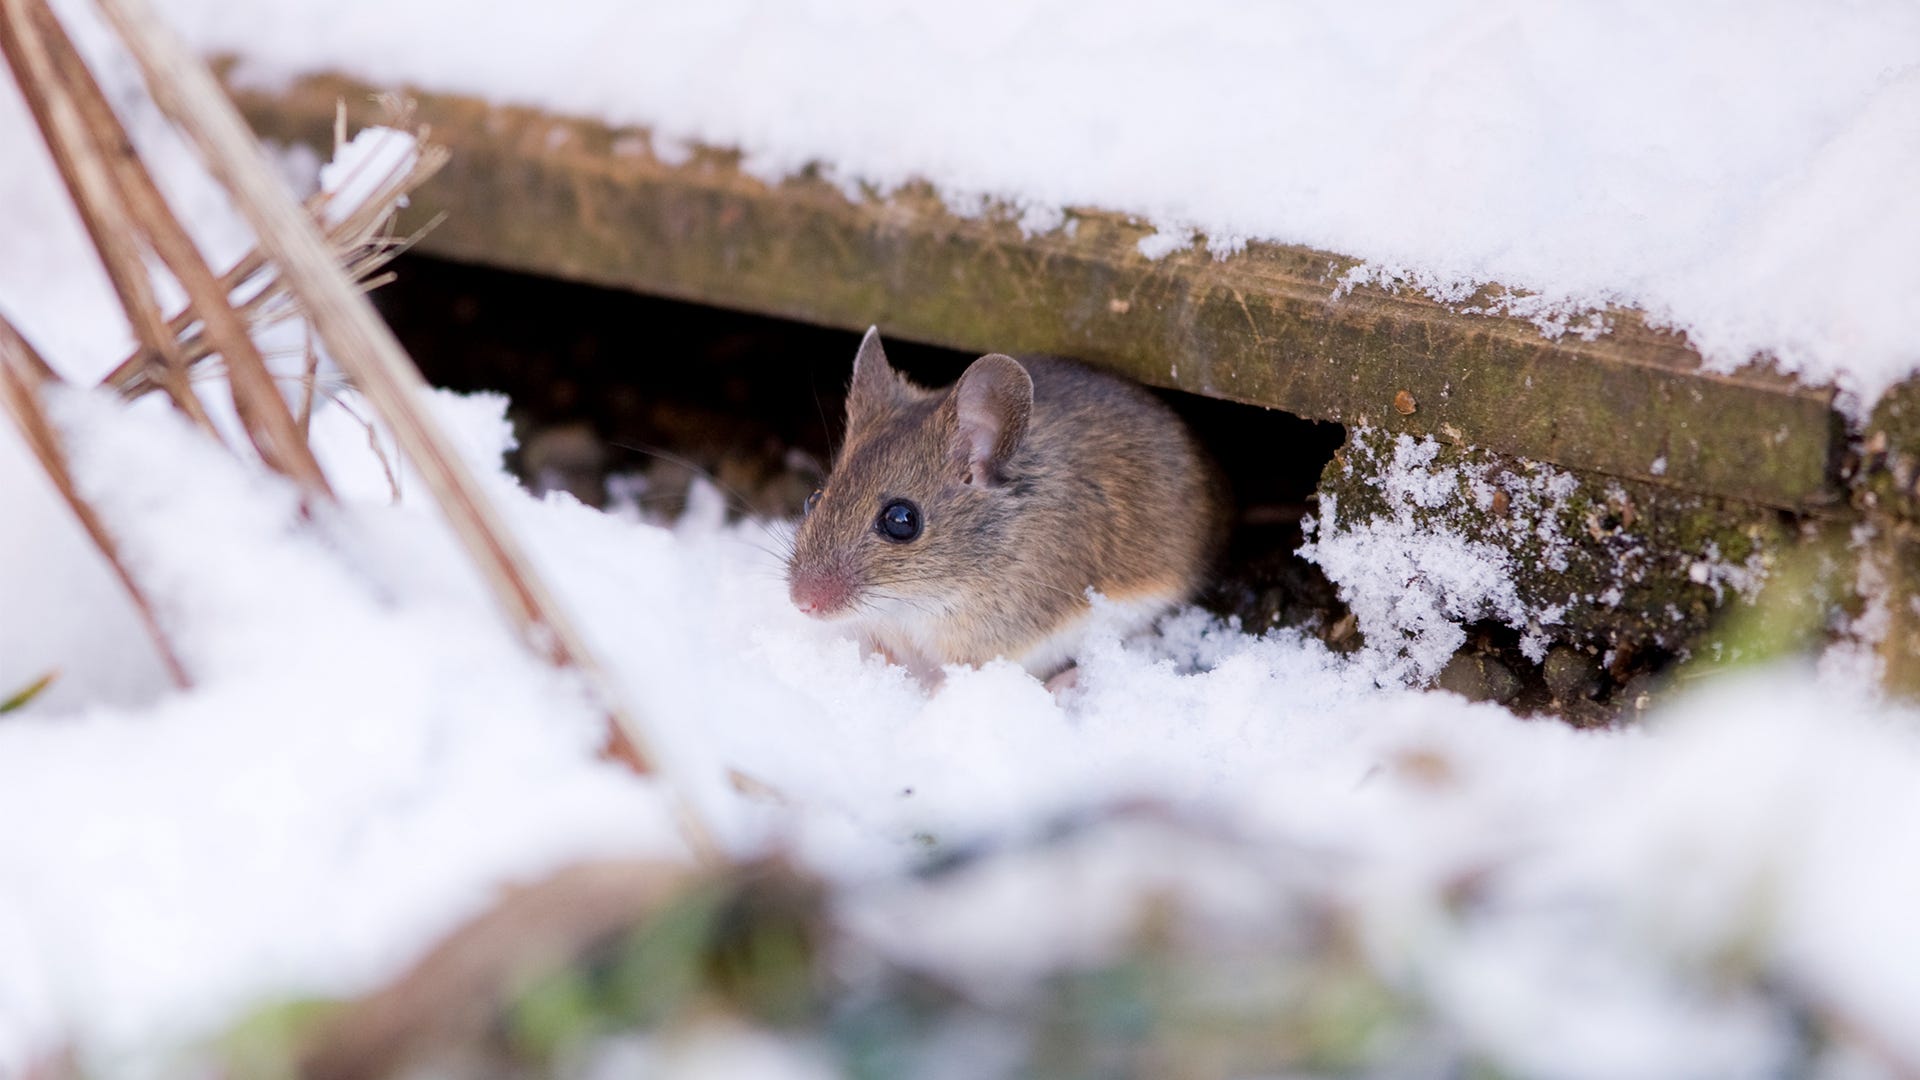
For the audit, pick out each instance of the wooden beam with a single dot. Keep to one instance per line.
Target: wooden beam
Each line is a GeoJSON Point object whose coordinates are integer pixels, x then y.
{"type": "Point", "coordinates": [576, 199]}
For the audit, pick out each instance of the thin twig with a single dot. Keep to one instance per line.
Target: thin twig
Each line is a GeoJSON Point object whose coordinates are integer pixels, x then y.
{"type": "Point", "coordinates": [373, 445]}
{"type": "Point", "coordinates": [22, 376]}
{"type": "Point", "coordinates": [312, 374]}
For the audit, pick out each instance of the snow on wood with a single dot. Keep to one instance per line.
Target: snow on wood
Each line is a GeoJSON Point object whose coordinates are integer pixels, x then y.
{"type": "Point", "coordinates": [1278, 325]}
{"type": "Point", "coordinates": [1737, 171]}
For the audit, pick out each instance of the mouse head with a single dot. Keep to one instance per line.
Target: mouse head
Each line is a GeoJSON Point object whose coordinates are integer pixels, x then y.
{"type": "Point", "coordinates": [923, 496]}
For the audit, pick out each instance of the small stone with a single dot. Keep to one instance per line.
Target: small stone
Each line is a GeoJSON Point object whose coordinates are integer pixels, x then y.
{"type": "Point", "coordinates": [1403, 403]}
{"type": "Point", "coordinates": [1571, 674]}
{"type": "Point", "coordinates": [1636, 697]}
{"type": "Point", "coordinates": [1502, 502]}
{"type": "Point", "coordinates": [1478, 678]}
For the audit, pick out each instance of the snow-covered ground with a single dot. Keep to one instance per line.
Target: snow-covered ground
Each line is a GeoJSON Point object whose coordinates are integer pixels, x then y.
{"type": "Point", "coordinates": [1741, 170]}
{"type": "Point", "coordinates": [367, 756]}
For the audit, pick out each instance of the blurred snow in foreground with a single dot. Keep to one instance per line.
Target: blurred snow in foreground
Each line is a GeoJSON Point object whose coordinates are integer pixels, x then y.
{"type": "Point", "coordinates": [368, 755]}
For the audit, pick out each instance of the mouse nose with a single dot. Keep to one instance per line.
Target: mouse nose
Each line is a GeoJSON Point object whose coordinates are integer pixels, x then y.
{"type": "Point", "coordinates": [819, 594]}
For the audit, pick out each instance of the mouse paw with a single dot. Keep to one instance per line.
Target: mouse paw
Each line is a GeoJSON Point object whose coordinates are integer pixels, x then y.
{"type": "Point", "coordinates": [1064, 680]}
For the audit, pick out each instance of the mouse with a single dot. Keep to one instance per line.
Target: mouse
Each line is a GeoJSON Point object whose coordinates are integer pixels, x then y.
{"type": "Point", "coordinates": [968, 523]}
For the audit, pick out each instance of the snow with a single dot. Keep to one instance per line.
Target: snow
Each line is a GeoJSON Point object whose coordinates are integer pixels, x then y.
{"type": "Point", "coordinates": [367, 162]}
{"type": "Point", "coordinates": [1740, 171]}
{"type": "Point", "coordinates": [367, 755]}
{"type": "Point", "coordinates": [713, 1050]}
{"type": "Point", "coordinates": [302, 783]}
{"type": "Point", "coordinates": [1417, 568]}
{"type": "Point", "coordinates": [1413, 584]}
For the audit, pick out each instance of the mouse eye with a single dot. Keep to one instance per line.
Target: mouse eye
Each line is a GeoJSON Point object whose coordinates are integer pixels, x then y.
{"type": "Point", "coordinates": [813, 500]}
{"type": "Point", "coordinates": [899, 521]}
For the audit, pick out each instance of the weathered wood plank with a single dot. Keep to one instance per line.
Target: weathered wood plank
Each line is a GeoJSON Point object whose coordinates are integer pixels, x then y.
{"type": "Point", "coordinates": [576, 199]}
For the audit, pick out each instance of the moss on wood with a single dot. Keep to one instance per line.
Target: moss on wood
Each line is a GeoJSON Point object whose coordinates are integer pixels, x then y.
{"type": "Point", "coordinates": [1270, 325]}
{"type": "Point", "coordinates": [1615, 564]}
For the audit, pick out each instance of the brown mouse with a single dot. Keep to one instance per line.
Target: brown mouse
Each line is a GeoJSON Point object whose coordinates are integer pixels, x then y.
{"type": "Point", "coordinates": [968, 523]}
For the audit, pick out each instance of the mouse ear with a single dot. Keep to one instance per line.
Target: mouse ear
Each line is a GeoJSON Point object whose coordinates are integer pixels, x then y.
{"type": "Point", "coordinates": [991, 405]}
{"type": "Point", "coordinates": [876, 386]}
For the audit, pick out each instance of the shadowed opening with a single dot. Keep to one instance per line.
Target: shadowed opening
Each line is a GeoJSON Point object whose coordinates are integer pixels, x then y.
{"type": "Point", "coordinates": [629, 398]}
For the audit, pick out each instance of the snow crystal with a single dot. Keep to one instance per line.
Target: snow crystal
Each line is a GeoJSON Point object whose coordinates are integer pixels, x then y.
{"type": "Point", "coordinates": [1165, 242]}
{"type": "Point", "coordinates": [1413, 588]}
{"type": "Point", "coordinates": [1472, 536]}
{"type": "Point", "coordinates": [1411, 583]}
{"type": "Point", "coordinates": [1040, 218]}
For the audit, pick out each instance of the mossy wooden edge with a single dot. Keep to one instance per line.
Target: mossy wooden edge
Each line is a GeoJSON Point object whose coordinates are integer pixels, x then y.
{"type": "Point", "coordinates": [1624, 566]}
{"type": "Point", "coordinates": [558, 196]}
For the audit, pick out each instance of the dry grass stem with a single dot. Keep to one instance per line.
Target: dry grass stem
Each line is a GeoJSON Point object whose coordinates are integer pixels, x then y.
{"type": "Point", "coordinates": [310, 374]}
{"type": "Point", "coordinates": [373, 444]}
{"type": "Point", "coordinates": [21, 698]}
{"type": "Point", "coordinates": [106, 218]}
{"type": "Point", "coordinates": [87, 126]}
{"type": "Point", "coordinates": [364, 244]}
{"type": "Point", "coordinates": [454, 993]}
{"type": "Point", "coordinates": [23, 374]}
{"type": "Point", "coordinates": [354, 336]}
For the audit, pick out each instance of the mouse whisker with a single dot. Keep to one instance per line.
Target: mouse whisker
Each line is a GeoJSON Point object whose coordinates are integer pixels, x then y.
{"type": "Point", "coordinates": [833, 446]}
{"type": "Point", "coordinates": [917, 578]}
{"type": "Point", "coordinates": [922, 606]}
{"type": "Point", "coordinates": [761, 548]}
{"type": "Point", "coordinates": [736, 501]}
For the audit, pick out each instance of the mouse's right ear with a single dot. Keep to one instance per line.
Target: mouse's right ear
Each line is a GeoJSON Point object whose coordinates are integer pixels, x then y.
{"type": "Point", "coordinates": [989, 409]}
{"type": "Point", "coordinates": [876, 387]}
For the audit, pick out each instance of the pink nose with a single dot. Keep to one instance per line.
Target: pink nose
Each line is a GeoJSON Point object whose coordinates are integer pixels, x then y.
{"type": "Point", "coordinates": [819, 594]}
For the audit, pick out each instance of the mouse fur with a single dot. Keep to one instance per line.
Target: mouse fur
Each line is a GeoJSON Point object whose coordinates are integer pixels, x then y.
{"type": "Point", "coordinates": [1030, 482]}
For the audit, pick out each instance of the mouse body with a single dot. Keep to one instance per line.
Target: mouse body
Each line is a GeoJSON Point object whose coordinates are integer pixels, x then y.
{"type": "Point", "coordinates": [968, 523]}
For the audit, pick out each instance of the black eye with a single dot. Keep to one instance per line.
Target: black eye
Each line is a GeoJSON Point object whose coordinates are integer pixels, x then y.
{"type": "Point", "coordinates": [813, 500]}
{"type": "Point", "coordinates": [899, 521]}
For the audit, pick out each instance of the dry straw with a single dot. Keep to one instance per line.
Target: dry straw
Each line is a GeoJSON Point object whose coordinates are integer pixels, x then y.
{"type": "Point", "coordinates": [306, 262]}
